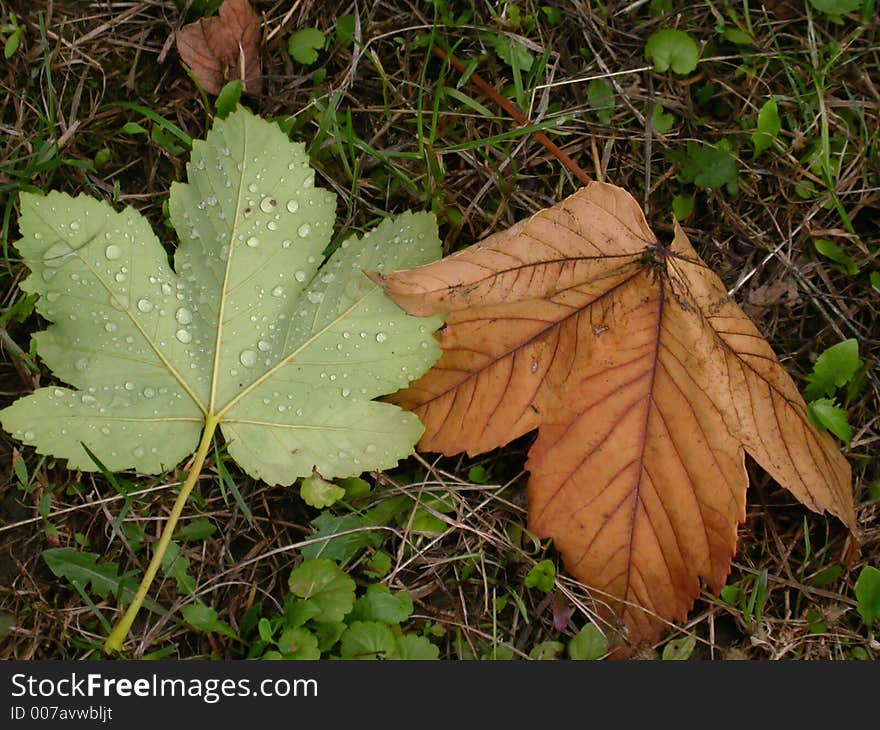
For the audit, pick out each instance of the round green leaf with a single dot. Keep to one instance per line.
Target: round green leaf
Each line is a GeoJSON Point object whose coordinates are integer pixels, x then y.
{"type": "Point", "coordinates": [367, 640]}
{"type": "Point", "coordinates": [298, 643]}
{"type": "Point", "coordinates": [589, 643]}
{"type": "Point", "coordinates": [413, 647]}
{"type": "Point", "coordinates": [673, 49]}
{"type": "Point", "coordinates": [322, 582]}
{"type": "Point", "coordinates": [304, 45]}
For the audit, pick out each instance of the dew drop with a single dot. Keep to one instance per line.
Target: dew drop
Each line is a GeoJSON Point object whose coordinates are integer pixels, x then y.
{"type": "Point", "coordinates": [166, 289]}
{"type": "Point", "coordinates": [57, 254]}
{"type": "Point", "coordinates": [252, 187]}
{"type": "Point", "coordinates": [128, 385]}
{"type": "Point", "coordinates": [183, 336]}
{"type": "Point", "coordinates": [148, 392]}
{"type": "Point", "coordinates": [278, 291]}
{"type": "Point", "coordinates": [113, 252]}
{"type": "Point", "coordinates": [120, 277]}
{"type": "Point", "coordinates": [263, 346]}
{"type": "Point", "coordinates": [346, 392]}
{"type": "Point", "coordinates": [183, 316]}
{"type": "Point", "coordinates": [29, 435]}
{"type": "Point", "coordinates": [292, 206]}
{"type": "Point", "coordinates": [248, 358]}
{"type": "Point", "coordinates": [110, 326]}
{"type": "Point", "coordinates": [268, 205]}
{"type": "Point", "coordinates": [82, 363]}
{"type": "Point", "coordinates": [381, 337]}
{"type": "Point", "coordinates": [304, 230]}
{"type": "Point", "coordinates": [145, 305]}
{"type": "Point", "coordinates": [315, 297]}
{"type": "Point", "coordinates": [74, 225]}
{"type": "Point", "coordinates": [328, 277]}
{"type": "Point", "coordinates": [53, 296]}
{"type": "Point", "coordinates": [272, 226]}
{"type": "Point", "coordinates": [253, 242]}
{"type": "Point", "coordinates": [286, 243]}
{"type": "Point", "coordinates": [299, 275]}
{"type": "Point", "coordinates": [105, 430]}
{"type": "Point", "coordinates": [138, 452]}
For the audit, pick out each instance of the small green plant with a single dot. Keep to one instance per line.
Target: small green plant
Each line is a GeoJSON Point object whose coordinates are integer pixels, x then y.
{"type": "Point", "coordinates": [679, 649]}
{"type": "Point", "coordinates": [13, 32]}
{"type": "Point", "coordinates": [324, 617]}
{"type": "Point", "coordinates": [839, 366]}
{"type": "Point", "coordinates": [839, 260]}
{"type": "Point", "coordinates": [768, 127]}
{"type": "Point", "coordinates": [709, 167]}
{"type": "Point", "coordinates": [868, 595]}
{"type": "Point", "coordinates": [672, 49]}
{"type": "Point", "coordinates": [304, 45]}
{"type": "Point", "coordinates": [589, 643]}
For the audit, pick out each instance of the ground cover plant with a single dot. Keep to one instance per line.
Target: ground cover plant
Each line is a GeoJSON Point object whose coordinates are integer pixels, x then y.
{"type": "Point", "coordinates": [764, 147]}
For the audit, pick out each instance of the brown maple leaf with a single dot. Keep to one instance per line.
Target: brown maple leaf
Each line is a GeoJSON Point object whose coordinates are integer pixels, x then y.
{"type": "Point", "coordinates": [224, 47]}
{"type": "Point", "coordinates": [648, 386]}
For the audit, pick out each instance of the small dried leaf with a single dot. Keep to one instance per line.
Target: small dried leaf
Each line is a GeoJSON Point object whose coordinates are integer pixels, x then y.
{"type": "Point", "coordinates": [224, 48]}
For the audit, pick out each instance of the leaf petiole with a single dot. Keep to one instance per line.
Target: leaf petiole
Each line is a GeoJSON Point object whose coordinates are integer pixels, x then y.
{"type": "Point", "coordinates": [117, 637]}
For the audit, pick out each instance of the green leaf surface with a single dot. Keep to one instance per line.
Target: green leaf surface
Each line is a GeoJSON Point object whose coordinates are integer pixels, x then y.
{"type": "Point", "coordinates": [868, 594]}
{"type": "Point", "coordinates": [709, 167]}
{"type": "Point", "coordinates": [84, 568]}
{"type": "Point", "coordinates": [682, 206]}
{"type": "Point", "coordinates": [547, 651]}
{"type": "Point", "coordinates": [833, 369]}
{"type": "Point", "coordinates": [204, 618]}
{"type": "Point", "coordinates": [841, 262]}
{"type": "Point", "coordinates": [836, 7]}
{"type": "Point", "coordinates": [248, 329]}
{"type": "Point", "coordinates": [768, 127]}
{"type": "Point", "coordinates": [600, 95]}
{"type": "Point", "coordinates": [228, 98]}
{"type": "Point", "coordinates": [304, 45]}
{"type": "Point", "coordinates": [673, 49]}
{"type": "Point", "coordinates": [297, 611]}
{"type": "Point", "coordinates": [415, 648]}
{"type": "Point", "coordinates": [322, 582]}
{"type": "Point", "coordinates": [661, 122]}
{"type": "Point", "coordinates": [197, 529]}
{"type": "Point", "coordinates": [367, 640]}
{"type": "Point", "coordinates": [342, 548]}
{"type": "Point", "coordinates": [319, 492]}
{"type": "Point", "coordinates": [588, 644]}
{"type": "Point", "coordinates": [177, 567]}
{"type": "Point", "coordinates": [825, 413]}
{"type": "Point", "coordinates": [380, 604]}
{"type": "Point", "coordinates": [679, 649]}
{"type": "Point", "coordinates": [298, 643]}
{"type": "Point", "coordinates": [542, 576]}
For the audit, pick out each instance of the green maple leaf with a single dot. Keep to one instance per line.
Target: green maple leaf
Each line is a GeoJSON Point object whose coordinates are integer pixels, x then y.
{"type": "Point", "coordinates": [248, 329]}
{"type": "Point", "coordinates": [252, 330]}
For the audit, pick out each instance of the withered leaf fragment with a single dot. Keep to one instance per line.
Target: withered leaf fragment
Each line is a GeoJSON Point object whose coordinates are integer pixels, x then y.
{"type": "Point", "coordinates": [648, 386]}
{"type": "Point", "coordinates": [224, 47]}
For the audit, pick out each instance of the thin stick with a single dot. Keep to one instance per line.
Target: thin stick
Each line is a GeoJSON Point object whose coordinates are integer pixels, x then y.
{"type": "Point", "coordinates": [517, 116]}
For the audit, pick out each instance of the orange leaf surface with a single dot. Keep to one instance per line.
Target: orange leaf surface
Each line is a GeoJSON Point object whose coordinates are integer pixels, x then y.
{"type": "Point", "coordinates": [648, 386]}
{"type": "Point", "coordinates": [224, 48]}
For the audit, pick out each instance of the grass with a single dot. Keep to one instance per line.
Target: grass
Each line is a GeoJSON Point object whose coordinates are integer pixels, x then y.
{"type": "Point", "coordinates": [390, 126]}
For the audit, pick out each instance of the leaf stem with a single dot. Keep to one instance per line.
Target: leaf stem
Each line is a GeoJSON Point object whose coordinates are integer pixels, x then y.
{"type": "Point", "coordinates": [120, 632]}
